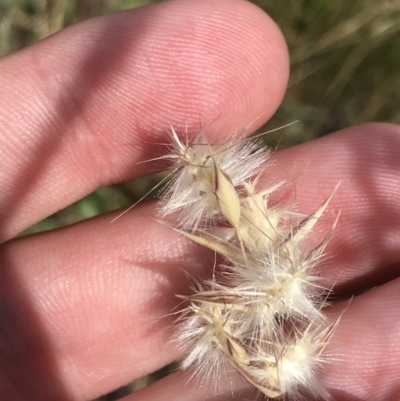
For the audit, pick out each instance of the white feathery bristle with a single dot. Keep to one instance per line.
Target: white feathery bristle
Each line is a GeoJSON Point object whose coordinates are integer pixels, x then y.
{"type": "Point", "coordinates": [191, 194]}
{"type": "Point", "coordinates": [276, 285]}
{"type": "Point", "coordinates": [262, 313]}
{"type": "Point", "coordinates": [300, 361]}
{"type": "Point", "coordinates": [290, 365]}
{"type": "Point", "coordinates": [199, 334]}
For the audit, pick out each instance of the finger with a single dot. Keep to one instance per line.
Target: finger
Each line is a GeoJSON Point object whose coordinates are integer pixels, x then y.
{"type": "Point", "coordinates": [95, 294]}
{"type": "Point", "coordinates": [181, 386]}
{"type": "Point", "coordinates": [87, 308]}
{"type": "Point", "coordinates": [83, 107]}
{"type": "Point", "coordinates": [365, 348]}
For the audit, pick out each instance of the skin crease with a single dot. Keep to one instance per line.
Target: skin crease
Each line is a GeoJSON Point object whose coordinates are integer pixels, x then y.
{"type": "Point", "coordinates": [83, 309]}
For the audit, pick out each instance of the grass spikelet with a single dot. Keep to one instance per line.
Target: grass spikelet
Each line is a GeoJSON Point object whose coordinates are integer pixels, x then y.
{"type": "Point", "coordinates": [258, 226]}
{"type": "Point", "coordinates": [207, 178]}
{"type": "Point", "coordinates": [301, 359]}
{"type": "Point", "coordinates": [262, 313]}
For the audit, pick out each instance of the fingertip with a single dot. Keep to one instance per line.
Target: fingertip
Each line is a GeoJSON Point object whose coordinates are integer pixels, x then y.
{"type": "Point", "coordinates": [107, 90]}
{"type": "Point", "coordinates": [221, 64]}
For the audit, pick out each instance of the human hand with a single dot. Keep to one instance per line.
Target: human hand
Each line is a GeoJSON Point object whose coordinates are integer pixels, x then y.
{"type": "Point", "coordinates": [82, 309]}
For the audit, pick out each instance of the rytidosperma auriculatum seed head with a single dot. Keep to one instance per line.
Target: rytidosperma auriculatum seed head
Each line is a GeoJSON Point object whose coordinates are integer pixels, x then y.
{"type": "Point", "coordinates": [263, 314]}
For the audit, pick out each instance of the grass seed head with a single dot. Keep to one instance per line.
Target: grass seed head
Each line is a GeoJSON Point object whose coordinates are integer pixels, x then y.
{"type": "Point", "coordinates": [262, 315]}
{"type": "Point", "coordinates": [206, 179]}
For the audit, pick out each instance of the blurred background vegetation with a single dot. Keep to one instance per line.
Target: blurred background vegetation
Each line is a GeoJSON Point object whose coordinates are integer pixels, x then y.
{"type": "Point", "coordinates": [345, 70]}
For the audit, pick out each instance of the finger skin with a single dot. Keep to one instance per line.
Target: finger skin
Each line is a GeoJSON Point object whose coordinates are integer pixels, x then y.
{"type": "Point", "coordinates": [182, 386]}
{"type": "Point", "coordinates": [90, 305]}
{"type": "Point", "coordinates": [96, 294]}
{"type": "Point", "coordinates": [365, 348]}
{"type": "Point", "coordinates": [83, 107]}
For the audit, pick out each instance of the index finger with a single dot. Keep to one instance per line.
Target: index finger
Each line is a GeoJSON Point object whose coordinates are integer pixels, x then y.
{"type": "Point", "coordinates": [79, 109]}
